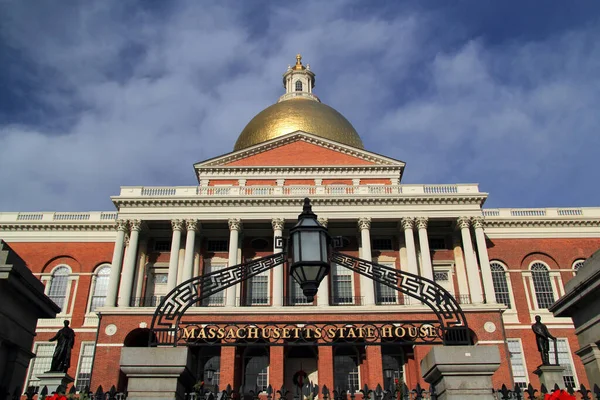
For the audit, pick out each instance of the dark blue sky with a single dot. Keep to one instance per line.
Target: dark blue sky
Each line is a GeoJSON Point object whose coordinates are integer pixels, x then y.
{"type": "Point", "coordinates": [98, 95]}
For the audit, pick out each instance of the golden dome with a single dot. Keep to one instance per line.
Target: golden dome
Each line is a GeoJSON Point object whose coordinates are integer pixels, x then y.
{"type": "Point", "coordinates": [298, 115]}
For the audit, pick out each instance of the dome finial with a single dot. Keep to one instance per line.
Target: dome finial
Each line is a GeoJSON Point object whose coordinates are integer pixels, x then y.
{"type": "Point", "coordinates": [298, 59]}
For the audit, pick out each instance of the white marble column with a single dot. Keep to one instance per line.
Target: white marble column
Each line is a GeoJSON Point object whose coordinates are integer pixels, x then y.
{"type": "Point", "coordinates": [234, 234]}
{"type": "Point", "coordinates": [367, 286]}
{"type": "Point", "coordinates": [484, 261]}
{"type": "Point", "coordinates": [323, 294]}
{"type": "Point", "coordinates": [278, 280]}
{"type": "Point", "coordinates": [117, 261]}
{"type": "Point", "coordinates": [129, 266]}
{"type": "Point", "coordinates": [188, 258]}
{"type": "Point", "coordinates": [409, 241]}
{"type": "Point", "coordinates": [177, 226]}
{"type": "Point", "coordinates": [475, 291]}
{"type": "Point", "coordinates": [426, 267]}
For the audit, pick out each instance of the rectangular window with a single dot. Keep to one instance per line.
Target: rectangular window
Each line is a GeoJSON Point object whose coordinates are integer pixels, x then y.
{"type": "Point", "coordinates": [41, 362]}
{"type": "Point", "coordinates": [564, 360]}
{"type": "Point", "coordinates": [85, 366]}
{"type": "Point", "coordinates": [341, 282]}
{"type": "Point", "coordinates": [217, 245]}
{"type": "Point", "coordinates": [296, 294]}
{"type": "Point", "coordinates": [382, 244]}
{"type": "Point", "coordinates": [437, 243]}
{"type": "Point", "coordinates": [346, 372]}
{"type": "Point", "coordinates": [442, 275]}
{"type": "Point", "coordinates": [516, 362]}
{"type": "Point", "coordinates": [258, 289]}
{"type": "Point", "coordinates": [162, 245]}
{"type": "Point", "coordinates": [217, 299]}
{"type": "Point", "coordinates": [384, 293]}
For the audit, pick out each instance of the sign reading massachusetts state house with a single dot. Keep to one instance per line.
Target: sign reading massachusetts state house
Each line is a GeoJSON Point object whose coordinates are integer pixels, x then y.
{"type": "Point", "coordinates": [193, 334]}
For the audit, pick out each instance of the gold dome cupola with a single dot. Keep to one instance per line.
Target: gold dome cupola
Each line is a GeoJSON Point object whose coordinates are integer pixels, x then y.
{"type": "Point", "coordinates": [298, 109]}
{"type": "Point", "coordinates": [299, 82]}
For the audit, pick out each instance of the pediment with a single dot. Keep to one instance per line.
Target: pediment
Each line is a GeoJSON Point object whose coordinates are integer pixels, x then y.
{"type": "Point", "coordinates": [300, 149]}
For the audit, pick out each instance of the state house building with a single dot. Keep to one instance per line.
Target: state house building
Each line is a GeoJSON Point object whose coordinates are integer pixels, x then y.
{"type": "Point", "coordinates": [109, 270]}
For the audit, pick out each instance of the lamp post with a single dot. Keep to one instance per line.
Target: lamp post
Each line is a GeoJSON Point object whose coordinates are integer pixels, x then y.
{"type": "Point", "coordinates": [309, 248]}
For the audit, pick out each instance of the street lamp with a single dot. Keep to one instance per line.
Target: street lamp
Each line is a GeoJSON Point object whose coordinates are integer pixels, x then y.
{"type": "Point", "coordinates": [309, 248]}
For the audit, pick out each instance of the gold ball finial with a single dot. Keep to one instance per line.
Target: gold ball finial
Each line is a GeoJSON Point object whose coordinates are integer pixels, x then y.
{"type": "Point", "coordinates": [298, 59]}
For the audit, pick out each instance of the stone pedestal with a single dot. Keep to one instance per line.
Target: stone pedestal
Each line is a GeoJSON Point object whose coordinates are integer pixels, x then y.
{"type": "Point", "coordinates": [461, 372]}
{"type": "Point", "coordinates": [52, 380]}
{"type": "Point", "coordinates": [551, 375]}
{"type": "Point", "coordinates": [161, 373]}
{"type": "Point", "coordinates": [590, 357]}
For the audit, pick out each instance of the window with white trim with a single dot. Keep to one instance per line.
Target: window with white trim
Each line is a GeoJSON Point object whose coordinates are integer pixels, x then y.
{"type": "Point", "coordinates": [296, 294]}
{"type": "Point", "coordinates": [217, 299]}
{"type": "Point", "coordinates": [442, 275]}
{"type": "Point", "coordinates": [298, 86]}
{"type": "Point", "coordinates": [100, 287]}
{"type": "Point", "coordinates": [542, 285]}
{"type": "Point", "coordinates": [256, 372]}
{"type": "Point", "coordinates": [341, 284]}
{"type": "Point", "coordinates": [346, 372]}
{"type": "Point", "coordinates": [577, 265]}
{"type": "Point", "coordinates": [156, 287]}
{"type": "Point", "coordinates": [84, 370]}
{"type": "Point", "coordinates": [58, 286]}
{"type": "Point", "coordinates": [385, 294]}
{"type": "Point", "coordinates": [517, 362]}
{"type": "Point", "coordinates": [500, 283]}
{"type": "Point", "coordinates": [40, 363]}
{"type": "Point", "coordinates": [564, 359]}
{"type": "Point", "coordinates": [258, 289]}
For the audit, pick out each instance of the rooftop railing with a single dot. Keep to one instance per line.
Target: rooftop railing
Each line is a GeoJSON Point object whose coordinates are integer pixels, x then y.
{"type": "Point", "coordinates": [91, 216]}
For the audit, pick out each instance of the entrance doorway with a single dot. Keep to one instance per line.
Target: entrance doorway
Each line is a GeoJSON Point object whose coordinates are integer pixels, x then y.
{"type": "Point", "coordinates": [300, 367]}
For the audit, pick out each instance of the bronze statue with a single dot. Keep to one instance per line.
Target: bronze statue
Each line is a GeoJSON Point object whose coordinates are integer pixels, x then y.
{"type": "Point", "coordinates": [65, 339]}
{"type": "Point", "coordinates": [542, 337]}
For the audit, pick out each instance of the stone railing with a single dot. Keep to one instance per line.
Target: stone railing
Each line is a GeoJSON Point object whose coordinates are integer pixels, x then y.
{"type": "Point", "coordinates": [587, 212]}
{"type": "Point", "coordinates": [92, 216]}
{"type": "Point", "coordinates": [298, 190]}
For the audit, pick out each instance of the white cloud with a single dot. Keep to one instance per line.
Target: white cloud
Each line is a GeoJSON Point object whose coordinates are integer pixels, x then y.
{"type": "Point", "coordinates": [139, 96]}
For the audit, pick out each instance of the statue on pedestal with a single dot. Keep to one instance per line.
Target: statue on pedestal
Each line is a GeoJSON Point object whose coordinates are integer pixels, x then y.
{"type": "Point", "coordinates": [542, 336]}
{"type": "Point", "coordinates": [65, 340]}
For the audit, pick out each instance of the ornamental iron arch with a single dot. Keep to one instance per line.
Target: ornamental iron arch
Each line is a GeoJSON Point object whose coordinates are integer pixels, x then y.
{"type": "Point", "coordinates": [451, 326]}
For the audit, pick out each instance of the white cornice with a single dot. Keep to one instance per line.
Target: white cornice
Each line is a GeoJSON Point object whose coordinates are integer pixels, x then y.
{"type": "Point", "coordinates": [541, 223]}
{"type": "Point", "coordinates": [355, 200]}
{"type": "Point", "coordinates": [32, 227]}
{"type": "Point", "coordinates": [299, 136]}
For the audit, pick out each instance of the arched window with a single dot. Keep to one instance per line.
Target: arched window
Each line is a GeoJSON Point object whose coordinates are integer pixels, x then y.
{"type": "Point", "coordinates": [542, 285]}
{"type": "Point", "coordinates": [212, 371]}
{"type": "Point", "coordinates": [256, 369]}
{"type": "Point", "coordinates": [500, 283]}
{"type": "Point", "coordinates": [345, 367]}
{"type": "Point", "coordinates": [100, 287]}
{"type": "Point", "coordinates": [392, 362]}
{"type": "Point", "coordinates": [58, 286]}
{"type": "Point", "coordinates": [577, 265]}
{"type": "Point", "coordinates": [298, 86]}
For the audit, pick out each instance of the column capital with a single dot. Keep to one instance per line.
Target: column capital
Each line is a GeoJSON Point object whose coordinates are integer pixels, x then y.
{"type": "Point", "coordinates": [277, 223]}
{"type": "Point", "coordinates": [235, 224]}
{"type": "Point", "coordinates": [323, 221]}
{"type": "Point", "coordinates": [478, 222]}
{"type": "Point", "coordinates": [407, 223]}
{"type": "Point", "coordinates": [122, 225]}
{"type": "Point", "coordinates": [191, 224]}
{"type": "Point", "coordinates": [135, 224]}
{"type": "Point", "coordinates": [364, 223]}
{"type": "Point", "coordinates": [463, 222]}
{"type": "Point", "coordinates": [177, 224]}
{"type": "Point", "coordinates": [422, 222]}
{"type": "Point", "coordinates": [126, 240]}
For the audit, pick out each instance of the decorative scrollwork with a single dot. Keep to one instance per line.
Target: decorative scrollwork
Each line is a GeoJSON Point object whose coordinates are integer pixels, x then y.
{"type": "Point", "coordinates": [441, 302]}
{"type": "Point", "coordinates": [192, 291]}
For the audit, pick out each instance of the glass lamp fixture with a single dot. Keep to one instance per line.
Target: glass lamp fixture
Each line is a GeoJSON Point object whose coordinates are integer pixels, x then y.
{"type": "Point", "coordinates": [310, 251]}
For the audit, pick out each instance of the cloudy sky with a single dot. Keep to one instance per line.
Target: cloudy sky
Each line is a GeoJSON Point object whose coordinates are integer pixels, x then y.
{"type": "Point", "coordinates": [95, 95]}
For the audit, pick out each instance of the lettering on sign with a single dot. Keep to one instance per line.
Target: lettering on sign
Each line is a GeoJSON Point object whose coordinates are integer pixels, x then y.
{"type": "Point", "coordinates": [301, 333]}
